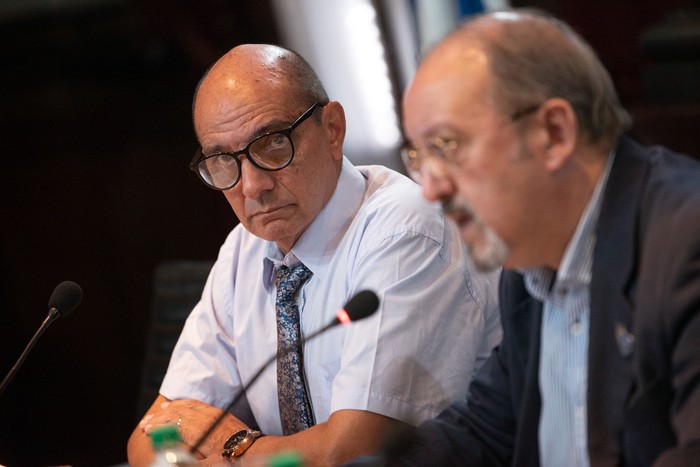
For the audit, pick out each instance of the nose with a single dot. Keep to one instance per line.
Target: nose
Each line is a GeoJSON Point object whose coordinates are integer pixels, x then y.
{"type": "Point", "coordinates": [437, 185]}
{"type": "Point", "coordinates": [254, 181]}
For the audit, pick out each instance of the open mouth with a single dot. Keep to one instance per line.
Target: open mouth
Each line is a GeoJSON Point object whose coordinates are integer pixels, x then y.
{"type": "Point", "coordinates": [460, 212]}
{"type": "Point", "coordinates": [462, 219]}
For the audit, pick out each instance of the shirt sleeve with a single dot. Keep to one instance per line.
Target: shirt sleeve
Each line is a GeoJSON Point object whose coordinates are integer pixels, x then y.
{"type": "Point", "coordinates": [203, 365]}
{"type": "Point", "coordinates": [435, 325]}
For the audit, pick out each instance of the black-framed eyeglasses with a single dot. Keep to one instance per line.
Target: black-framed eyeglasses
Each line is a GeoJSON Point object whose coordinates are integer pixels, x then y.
{"type": "Point", "coordinates": [271, 151]}
{"type": "Point", "coordinates": [444, 149]}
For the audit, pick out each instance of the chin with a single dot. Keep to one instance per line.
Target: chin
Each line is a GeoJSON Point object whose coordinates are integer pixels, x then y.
{"type": "Point", "coordinates": [485, 262]}
{"type": "Point", "coordinates": [490, 252]}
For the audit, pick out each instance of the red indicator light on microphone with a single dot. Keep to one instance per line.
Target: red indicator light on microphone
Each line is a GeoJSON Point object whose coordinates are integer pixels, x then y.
{"type": "Point", "coordinates": [343, 316]}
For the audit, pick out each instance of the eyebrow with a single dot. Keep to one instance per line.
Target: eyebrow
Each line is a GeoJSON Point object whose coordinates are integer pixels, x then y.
{"type": "Point", "coordinates": [269, 127]}
{"type": "Point", "coordinates": [439, 131]}
{"type": "Point", "coordinates": [272, 126]}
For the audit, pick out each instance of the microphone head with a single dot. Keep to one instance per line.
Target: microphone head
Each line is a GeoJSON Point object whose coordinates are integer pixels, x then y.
{"type": "Point", "coordinates": [66, 297]}
{"type": "Point", "coordinates": [362, 305]}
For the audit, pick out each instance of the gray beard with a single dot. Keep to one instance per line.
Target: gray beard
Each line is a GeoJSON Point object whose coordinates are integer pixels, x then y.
{"type": "Point", "coordinates": [492, 254]}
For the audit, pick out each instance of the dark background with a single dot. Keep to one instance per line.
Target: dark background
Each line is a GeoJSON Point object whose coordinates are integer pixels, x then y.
{"type": "Point", "coordinates": [95, 185]}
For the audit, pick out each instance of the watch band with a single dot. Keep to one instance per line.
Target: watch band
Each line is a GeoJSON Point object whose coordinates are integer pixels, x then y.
{"type": "Point", "coordinates": [238, 443]}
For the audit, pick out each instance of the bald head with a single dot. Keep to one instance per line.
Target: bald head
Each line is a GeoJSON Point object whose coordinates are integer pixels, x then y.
{"type": "Point", "coordinates": [533, 57]}
{"type": "Point", "coordinates": [268, 131]}
{"type": "Point", "coordinates": [253, 68]}
{"type": "Point", "coordinates": [252, 63]}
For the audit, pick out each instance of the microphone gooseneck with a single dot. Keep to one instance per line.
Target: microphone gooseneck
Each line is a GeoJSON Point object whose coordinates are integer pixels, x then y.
{"type": "Point", "coordinates": [65, 298]}
{"type": "Point", "coordinates": [360, 306]}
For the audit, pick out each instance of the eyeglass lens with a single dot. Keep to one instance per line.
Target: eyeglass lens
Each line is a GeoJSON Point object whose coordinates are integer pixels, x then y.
{"type": "Point", "coordinates": [273, 151]}
{"type": "Point", "coordinates": [219, 171]}
{"type": "Point", "coordinates": [270, 152]}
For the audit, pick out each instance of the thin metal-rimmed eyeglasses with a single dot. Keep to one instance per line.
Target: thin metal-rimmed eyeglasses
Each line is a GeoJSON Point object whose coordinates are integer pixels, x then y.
{"type": "Point", "coordinates": [271, 151]}
{"type": "Point", "coordinates": [440, 149]}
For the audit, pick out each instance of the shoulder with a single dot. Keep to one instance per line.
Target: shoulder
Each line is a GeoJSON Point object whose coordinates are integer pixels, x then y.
{"type": "Point", "coordinates": [668, 226]}
{"type": "Point", "coordinates": [674, 176]}
{"type": "Point", "coordinates": [664, 184]}
{"type": "Point", "coordinates": [671, 201]}
{"type": "Point", "coordinates": [393, 202]}
{"type": "Point", "coordinates": [396, 221]}
{"type": "Point", "coordinates": [664, 172]}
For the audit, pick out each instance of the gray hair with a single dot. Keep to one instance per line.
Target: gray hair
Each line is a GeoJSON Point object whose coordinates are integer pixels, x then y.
{"type": "Point", "coordinates": [534, 57]}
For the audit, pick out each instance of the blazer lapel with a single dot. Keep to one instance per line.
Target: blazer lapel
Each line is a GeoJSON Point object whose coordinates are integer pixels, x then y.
{"type": "Point", "coordinates": [523, 323]}
{"type": "Point", "coordinates": [611, 345]}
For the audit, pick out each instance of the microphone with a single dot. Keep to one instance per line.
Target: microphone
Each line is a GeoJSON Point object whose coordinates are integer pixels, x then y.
{"type": "Point", "coordinates": [360, 306]}
{"type": "Point", "coordinates": [65, 298]}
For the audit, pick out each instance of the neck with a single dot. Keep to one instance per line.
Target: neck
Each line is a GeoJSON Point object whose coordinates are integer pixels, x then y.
{"type": "Point", "coordinates": [571, 195]}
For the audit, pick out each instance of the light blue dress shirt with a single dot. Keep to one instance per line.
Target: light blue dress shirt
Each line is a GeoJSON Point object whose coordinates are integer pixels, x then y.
{"type": "Point", "coordinates": [437, 321]}
{"type": "Point", "coordinates": [563, 374]}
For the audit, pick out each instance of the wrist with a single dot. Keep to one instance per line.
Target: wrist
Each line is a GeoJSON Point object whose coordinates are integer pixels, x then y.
{"type": "Point", "coordinates": [238, 443]}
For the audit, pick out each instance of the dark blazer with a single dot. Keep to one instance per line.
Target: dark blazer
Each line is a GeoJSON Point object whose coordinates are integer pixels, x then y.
{"type": "Point", "coordinates": [644, 348]}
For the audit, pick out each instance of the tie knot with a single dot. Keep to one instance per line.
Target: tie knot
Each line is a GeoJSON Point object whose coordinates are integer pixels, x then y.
{"type": "Point", "coordinates": [290, 279]}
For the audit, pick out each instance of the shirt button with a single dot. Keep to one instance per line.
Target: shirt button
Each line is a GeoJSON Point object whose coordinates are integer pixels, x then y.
{"type": "Point", "coordinates": [576, 328]}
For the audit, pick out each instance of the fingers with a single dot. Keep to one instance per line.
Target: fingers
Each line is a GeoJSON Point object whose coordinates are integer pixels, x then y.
{"type": "Point", "coordinates": [190, 415]}
{"type": "Point", "coordinates": [162, 416]}
{"type": "Point", "coordinates": [144, 421]}
{"type": "Point", "coordinates": [193, 419]}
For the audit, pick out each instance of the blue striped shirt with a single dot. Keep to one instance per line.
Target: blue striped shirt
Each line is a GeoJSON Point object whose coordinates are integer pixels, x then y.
{"type": "Point", "coordinates": [563, 374]}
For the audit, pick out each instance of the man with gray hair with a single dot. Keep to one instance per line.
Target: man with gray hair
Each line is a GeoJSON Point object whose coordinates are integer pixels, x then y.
{"type": "Point", "coordinates": [516, 127]}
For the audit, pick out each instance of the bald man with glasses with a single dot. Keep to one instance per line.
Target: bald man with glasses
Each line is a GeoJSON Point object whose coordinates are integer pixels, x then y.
{"type": "Point", "coordinates": [314, 230]}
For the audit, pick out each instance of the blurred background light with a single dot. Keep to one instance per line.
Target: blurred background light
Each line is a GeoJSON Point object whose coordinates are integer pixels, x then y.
{"type": "Point", "coordinates": [342, 40]}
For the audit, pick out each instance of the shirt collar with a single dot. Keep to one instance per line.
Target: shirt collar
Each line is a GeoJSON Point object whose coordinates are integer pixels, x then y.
{"type": "Point", "coordinates": [576, 264]}
{"type": "Point", "coordinates": [318, 242]}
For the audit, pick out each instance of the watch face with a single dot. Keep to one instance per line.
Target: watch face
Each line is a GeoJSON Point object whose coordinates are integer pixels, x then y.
{"type": "Point", "coordinates": [235, 439]}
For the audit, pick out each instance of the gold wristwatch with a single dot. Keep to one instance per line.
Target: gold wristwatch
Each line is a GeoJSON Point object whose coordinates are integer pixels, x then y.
{"type": "Point", "coordinates": [238, 443]}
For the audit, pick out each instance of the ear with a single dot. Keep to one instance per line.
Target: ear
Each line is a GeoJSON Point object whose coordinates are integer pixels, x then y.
{"type": "Point", "coordinates": [334, 125]}
{"type": "Point", "coordinates": [559, 132]}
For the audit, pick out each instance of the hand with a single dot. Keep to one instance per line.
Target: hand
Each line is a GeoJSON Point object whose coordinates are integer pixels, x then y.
{"type": "Point", "coordinates": [193, 418]}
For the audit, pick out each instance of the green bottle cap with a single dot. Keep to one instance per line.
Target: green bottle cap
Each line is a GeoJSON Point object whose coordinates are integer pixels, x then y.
{"type": "Point", "coordinates": [165, 435]}
{"type": "Point", "coordinates": [285, 459]}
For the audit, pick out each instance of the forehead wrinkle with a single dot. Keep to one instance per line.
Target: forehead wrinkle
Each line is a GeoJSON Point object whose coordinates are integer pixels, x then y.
{"type": "Point", "coordinates": [242, 98]}
{"type": "Point", "coordinates": [431, 115]}
{"type": "Point", "coordinates": [254, 127]}
{"type": "Point", "coordinates": [464, 67]}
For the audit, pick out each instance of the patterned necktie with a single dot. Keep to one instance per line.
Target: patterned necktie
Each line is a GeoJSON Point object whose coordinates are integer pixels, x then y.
{"type": "Point", "coordinates": [295, 408]}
